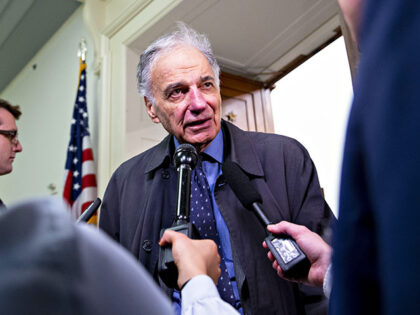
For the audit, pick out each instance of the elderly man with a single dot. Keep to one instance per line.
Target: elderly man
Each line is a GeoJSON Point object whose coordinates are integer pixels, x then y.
{"type": "Point", "coordinates": [9, 143]}
{"type": "Point", "coordinates": [179, 78]}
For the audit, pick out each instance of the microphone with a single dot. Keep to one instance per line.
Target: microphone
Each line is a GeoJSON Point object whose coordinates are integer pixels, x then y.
{"type": "Point", "coordinates": [284, 248]}
{"type": "Point", "coordinates": [90, 211]}
{"type": "Point", "coordinates": [185, 159]}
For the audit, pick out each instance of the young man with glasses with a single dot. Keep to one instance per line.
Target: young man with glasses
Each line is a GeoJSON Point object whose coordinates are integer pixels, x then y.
{"type": "Point", "coordinates": [9, 143]}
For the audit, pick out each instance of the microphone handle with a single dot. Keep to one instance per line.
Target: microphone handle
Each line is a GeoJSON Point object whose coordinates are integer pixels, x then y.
{"type": "Point", "coordinates": [88, 213]}
{"type": "Point", "coordinates": [259, 212]}
{"type": "Point", "coordinates": [167, 269]}
{"type": "Point", "coordinates": [184, 191]}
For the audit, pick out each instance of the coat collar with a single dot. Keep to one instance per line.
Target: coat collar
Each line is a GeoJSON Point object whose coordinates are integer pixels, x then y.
{"type": "Point", "coordinates": [241, 150]}
{"type": "Point", "coordinates": [237, 145]}
{"type": "Point", "coordinates": [160, 154]}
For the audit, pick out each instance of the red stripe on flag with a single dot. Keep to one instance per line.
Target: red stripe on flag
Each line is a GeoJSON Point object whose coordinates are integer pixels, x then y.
{"type": "Point", "coordinates": [85, 205]}
{"type": "Point", "coordinates": [67, 188]}
{"type": "Point", "coordinates": [87, 155]}
{"type": "Point", "coordinates": [89, 181]}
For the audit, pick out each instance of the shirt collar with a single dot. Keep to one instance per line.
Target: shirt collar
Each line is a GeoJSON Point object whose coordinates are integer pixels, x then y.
{"type": "Point", "coordinates": [214, 150]}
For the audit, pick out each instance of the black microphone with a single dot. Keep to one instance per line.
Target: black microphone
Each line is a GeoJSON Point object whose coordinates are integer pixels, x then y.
{"type": "Point", "coordinates": [185, 159]}
{"type": "Point", "coordinates": [284, 248]}
{"type": "Point", "coordinates": [90, 211]}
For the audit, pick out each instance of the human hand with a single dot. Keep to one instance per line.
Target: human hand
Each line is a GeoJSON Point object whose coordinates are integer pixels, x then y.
{"type": "Point", "coordinates": [317, 251]}
{"type": "Point", "coordinates": [192, 257]}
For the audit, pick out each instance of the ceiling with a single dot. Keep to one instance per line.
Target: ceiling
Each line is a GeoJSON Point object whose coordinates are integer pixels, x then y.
{"type": "Point", "coordinates": [25, 26]}
{"type": "Point", "coordinates": [257, 39]}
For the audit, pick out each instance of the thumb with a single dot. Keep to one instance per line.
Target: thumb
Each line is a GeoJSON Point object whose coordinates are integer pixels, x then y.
{"type": "Point", "coordinates": [167, 238]}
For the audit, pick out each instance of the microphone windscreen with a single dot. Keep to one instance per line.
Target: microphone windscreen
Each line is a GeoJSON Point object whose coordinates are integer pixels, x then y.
{"type": "Point", "coordinates": [185, 154]}
{"type": "Point", "coordinates": [240, 184]}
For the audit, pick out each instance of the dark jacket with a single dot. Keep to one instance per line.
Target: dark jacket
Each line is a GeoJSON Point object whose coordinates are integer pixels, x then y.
{"type": "Point", "coordinates": [141, 196]}
{"type": "Point", "coordinates": [377, 241]}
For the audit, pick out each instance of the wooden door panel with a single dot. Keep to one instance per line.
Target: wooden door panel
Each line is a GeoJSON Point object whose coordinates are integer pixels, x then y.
{"type": "Point", "coordinates": [246, 103]}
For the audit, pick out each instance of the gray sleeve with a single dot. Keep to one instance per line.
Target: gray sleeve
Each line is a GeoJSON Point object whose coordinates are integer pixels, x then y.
{"type": "Point", "coordinates": [121, 281]}
{"type": "Point", "coordinates": [50, 265]}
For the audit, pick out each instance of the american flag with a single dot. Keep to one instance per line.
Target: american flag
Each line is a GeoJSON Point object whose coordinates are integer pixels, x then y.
{"type": "Point", "coordinates": [80, 179]}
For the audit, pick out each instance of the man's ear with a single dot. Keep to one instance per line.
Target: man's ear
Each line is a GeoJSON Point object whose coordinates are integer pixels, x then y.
{"type": "Point", "coordinates": [151, 110]}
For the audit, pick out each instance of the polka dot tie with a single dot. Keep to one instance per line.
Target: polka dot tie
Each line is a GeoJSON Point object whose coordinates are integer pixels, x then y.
{"type": "Point", "coordinates": [203, 218]}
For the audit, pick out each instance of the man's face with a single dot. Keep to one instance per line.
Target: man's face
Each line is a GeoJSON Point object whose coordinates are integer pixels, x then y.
{"type": "Point", "coordinates": [8, 149]}
{"type": "Point", "coordinates": [187, 100]}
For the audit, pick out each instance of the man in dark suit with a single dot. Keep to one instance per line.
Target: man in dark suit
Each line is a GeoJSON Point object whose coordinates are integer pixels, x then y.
{"type": "Point", "coordinates": [377, 244]}
{"type": "Point", "coordinates": [179, 78]}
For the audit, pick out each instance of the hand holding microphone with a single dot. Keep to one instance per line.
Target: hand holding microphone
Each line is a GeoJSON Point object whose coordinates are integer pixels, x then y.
{"type": "Point", "coordinates": [283, 247]}
{"type": "Point", "coordinates": [185, 159]}
{"type": "Point", "coordinates": [192, 257]}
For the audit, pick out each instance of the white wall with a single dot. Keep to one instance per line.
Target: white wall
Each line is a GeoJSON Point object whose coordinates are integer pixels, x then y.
{"type": "Point", "coordinates": [311, 104]}
{"type": "Point", "coordinates": [46, 95]}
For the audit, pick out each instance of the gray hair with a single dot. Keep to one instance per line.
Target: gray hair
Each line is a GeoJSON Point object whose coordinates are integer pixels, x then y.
{"type": "Point", "coordinates": [182, 36]}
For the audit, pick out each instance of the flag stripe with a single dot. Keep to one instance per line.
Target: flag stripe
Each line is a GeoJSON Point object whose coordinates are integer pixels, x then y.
{"type": "Point", "coordinates": [88, 195]}
{"type": "Point", "coordinates": [67, 185]}
{"type": "Point", "coordinates": [87, 155]}
{"type": "Point", "coordinates": [89, 181]}
{"type": "Point", "coordinates": [88, 167]}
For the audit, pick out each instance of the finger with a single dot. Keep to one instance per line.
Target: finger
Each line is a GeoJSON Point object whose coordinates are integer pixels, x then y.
{"type": "Point", "coordinates": [169, 237]}
{"type": "Point", "coordinates": [264, 245]}
{"type": "Point", "coordinates": [278, 228]}
{"type": "Point", "coordinates": [280, 272]}
{"type": "Point", "coordinates": [285, 227]}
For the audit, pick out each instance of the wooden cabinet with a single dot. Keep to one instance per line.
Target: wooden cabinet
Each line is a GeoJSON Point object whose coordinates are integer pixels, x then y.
{"type": "Point", "coordinates": [246, 103]}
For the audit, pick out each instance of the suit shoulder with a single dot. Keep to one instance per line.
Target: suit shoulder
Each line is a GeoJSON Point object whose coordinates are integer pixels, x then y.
{"type": "Point", "coordinates": [138, 163]}
{"type": "Point", "coordinates": [270, 141]}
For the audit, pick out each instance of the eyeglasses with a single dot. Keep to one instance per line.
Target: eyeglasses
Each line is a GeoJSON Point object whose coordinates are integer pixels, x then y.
{"type": "Point", "coordinates": [12, 135]}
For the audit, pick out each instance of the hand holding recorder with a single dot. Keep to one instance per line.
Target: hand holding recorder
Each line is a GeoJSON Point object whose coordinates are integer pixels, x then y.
{"type": "Point", "coordinates": [283, 247]}
{"type": "Point", "coordinates": [317, 251]}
